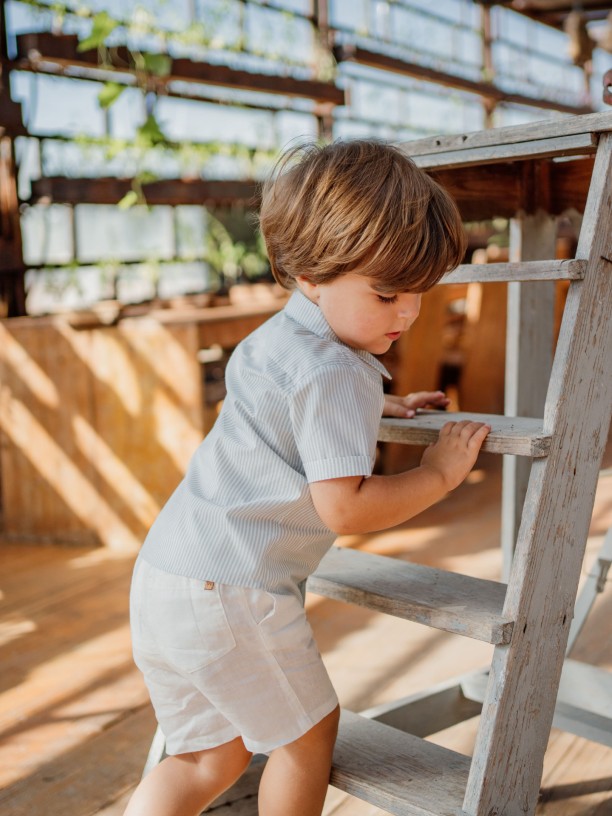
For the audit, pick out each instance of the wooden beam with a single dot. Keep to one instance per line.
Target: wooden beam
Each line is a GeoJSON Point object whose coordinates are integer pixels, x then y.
{"type": "Point", "coordinates": [375, 59]}
{"type": "Point", "coordinates": [11, 122]}
{"type": "Point", "coordinates": [483, 192]}
{"type": "Point", "coordinates": [501, 190]}
{"type": "Point", "coordinates": [479, 192]}
{"type": "Point", "coordinates": [12, 269]}
{"type": "Point", "coordinates": [546, 129]}
{"type": "Point", "coordinates": [569, 184]}
{"type": "Point", "coordinates": [44, 47]}
{"type": "Point", "coordinates": [171, 192]}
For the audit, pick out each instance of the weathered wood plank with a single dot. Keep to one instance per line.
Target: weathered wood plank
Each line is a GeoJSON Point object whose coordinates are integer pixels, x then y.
{"type": "Point", "coordinates": [396, 771]}
{"type": "Point", "coordinates": [572, 145]}
{"type": "Point", "coordinates": [445, 600]}
{"type": "Point", "coordinates": [517, 271]}
{"type": "Point", "coordinates": [546, 129]}
{"type": "Point", "coordinates": [522, 436]}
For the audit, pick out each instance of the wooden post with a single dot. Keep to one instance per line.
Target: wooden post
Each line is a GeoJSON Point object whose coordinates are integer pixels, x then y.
{"type": "Point", "coordinates": [319, 10]}
{"type": "Point", "coordinates": [487, 63]}
{"type": "Point", "coordinates": [12, 269]}
{"type": "Point", "coordinates": [529, 348]}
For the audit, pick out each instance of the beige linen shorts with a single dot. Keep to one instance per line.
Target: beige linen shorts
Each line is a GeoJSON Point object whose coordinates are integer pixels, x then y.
{"type": "Point", "coordinates": [222, 662]}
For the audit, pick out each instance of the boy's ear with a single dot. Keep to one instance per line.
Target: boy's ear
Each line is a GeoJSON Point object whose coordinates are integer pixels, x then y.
{"type": "Point", "coordinates": [308, 288]}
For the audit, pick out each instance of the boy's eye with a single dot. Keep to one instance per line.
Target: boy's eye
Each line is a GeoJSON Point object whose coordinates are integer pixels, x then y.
{"type": "Point", "coordinates": [390, 299]}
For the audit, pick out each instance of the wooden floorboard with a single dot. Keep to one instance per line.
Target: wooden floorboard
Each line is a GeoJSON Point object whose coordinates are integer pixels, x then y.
{"type": "Point", "coordinates": [75, 722]}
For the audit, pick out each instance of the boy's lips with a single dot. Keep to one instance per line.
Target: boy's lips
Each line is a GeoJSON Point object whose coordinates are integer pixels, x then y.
{"type": "Point", "coordinates": [393, 335]}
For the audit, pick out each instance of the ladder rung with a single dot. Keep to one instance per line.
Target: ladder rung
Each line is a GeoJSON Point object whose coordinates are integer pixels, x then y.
{"type": "Point", "coordinates": [515, 134]}
{"type": "Point", "coordinates": [521, 271]}
{"type": "Point", "coordinates": [522, 436]}
{"type": "Point", "coordinates": [397, 772]}
{"type": "Point", "coordinates": [574, 145]}
{"type": "Point", "coordinates": [455, 603]}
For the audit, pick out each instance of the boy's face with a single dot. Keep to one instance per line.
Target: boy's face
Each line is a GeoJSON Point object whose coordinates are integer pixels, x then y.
{"type": "Point", "coordinates": [361, 316]}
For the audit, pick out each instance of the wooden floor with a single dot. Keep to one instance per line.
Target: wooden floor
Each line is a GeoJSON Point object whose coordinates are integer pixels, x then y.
{"type": "Point", "coordinates": [75, 722]}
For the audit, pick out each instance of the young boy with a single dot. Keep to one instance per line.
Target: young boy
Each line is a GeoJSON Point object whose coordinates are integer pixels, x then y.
{"type": "Point", "coordinates": [218, 625]}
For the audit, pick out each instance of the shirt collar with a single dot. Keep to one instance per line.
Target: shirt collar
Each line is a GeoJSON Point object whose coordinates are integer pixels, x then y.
{"type": "Point", "coordinates": [308, 314]}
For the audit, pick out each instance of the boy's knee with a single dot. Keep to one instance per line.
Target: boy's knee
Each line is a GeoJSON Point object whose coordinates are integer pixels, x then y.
{"type": "Point", "coordinates": [226, 763]}
{"type": "Point", "coordinates": [324, 732]}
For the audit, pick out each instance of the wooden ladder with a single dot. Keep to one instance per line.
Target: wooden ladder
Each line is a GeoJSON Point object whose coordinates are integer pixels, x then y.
{"type": "Point", "coordinates": [528, 620]}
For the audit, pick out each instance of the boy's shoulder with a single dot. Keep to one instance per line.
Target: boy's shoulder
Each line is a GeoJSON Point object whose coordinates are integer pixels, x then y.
{"type": "Point", "coordinates": [285, 345]}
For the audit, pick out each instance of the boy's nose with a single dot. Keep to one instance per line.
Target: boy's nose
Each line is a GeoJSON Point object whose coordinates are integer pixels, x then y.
{"type": "Point", "coordinates": [410, 310]}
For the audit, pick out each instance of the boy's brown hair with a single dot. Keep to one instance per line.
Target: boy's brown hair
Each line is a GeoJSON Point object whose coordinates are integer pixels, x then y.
{"type": "Point", "coordinates": [359, 206]}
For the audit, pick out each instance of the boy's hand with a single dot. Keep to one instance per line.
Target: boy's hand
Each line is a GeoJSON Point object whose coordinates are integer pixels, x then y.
{"type": "Point", "coordinates": [406, 407]}
{"type": "Point", "coordinates": [455, 452]}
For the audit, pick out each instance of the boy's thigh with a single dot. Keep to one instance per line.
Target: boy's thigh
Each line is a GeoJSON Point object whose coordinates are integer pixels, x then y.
{"type": "Point", "coordinates": [274, 685]}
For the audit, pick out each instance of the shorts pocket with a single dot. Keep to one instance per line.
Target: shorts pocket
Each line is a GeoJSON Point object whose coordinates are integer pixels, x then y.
{"type": "Point", "coordinates": [261, 604]}
{"type": "Point", "coordinates": [193, 630]}
{"type": "Point", "coordinates": [287, 628]}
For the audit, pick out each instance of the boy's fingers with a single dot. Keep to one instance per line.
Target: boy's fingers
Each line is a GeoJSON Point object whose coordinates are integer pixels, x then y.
{"type": "Point", "coordinates": [479, 434]}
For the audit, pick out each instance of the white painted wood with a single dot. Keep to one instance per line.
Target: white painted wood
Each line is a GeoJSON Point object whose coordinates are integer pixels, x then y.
{"type": "Point", "coordinates": [574, 145]}
{"type": "Point", "coordinates": [445, 600]}
{"type": "Point", "coordinates": [594, 585]}
{"type": "Point", "coordinates": [402, 774]}
{"type": "Point", "coordinates": [546, 129]}
{"type": "Point", "coordinates": [529, 350]}
{"type": "Point", "coordinates": [522, 436]}
{"type": "Point", "coordinates": [584, 700]}
{"type": "Point", "coordinates": [520, 697]}
{"type": "Point", "coordinates": [540, 270]}
{"type": "Point", "coordinates": [585, 724]}
{"type": "Point", "coordinates": [586, 687]}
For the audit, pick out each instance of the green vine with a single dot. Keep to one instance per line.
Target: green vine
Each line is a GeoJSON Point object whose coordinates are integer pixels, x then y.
{"type": "Point", "coordinates": [232, 260]}
{"type": "Point", "coordinates": [194, 34]}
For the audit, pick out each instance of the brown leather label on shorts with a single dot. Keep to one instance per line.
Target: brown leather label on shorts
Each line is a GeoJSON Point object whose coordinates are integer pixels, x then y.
{"type": "Point", "coordinates": [209, 584]}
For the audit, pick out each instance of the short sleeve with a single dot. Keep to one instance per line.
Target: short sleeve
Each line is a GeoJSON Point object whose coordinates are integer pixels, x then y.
{"type": "Point", "coordinates": [335, 413]}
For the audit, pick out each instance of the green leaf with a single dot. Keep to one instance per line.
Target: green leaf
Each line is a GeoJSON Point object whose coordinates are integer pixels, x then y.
{"type": "Point", "coordinates": [157, 64]}
{"type": "Point", "coordinates": [150, 134]}
{"type": "Point", "coordinates": [103, 25]}
{"type": "Point", "coordinates": [111, 91]}
{"type": "Point", "coordinates": [128, 200]}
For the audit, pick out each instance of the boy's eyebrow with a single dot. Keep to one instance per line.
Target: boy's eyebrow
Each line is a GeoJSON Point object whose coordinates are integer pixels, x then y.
{"type": "Point", "coordinates": [381, 289]}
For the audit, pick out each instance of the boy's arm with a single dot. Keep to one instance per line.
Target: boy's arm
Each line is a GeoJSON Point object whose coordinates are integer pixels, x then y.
{"type": "Point", "coordinates": [356, 504]}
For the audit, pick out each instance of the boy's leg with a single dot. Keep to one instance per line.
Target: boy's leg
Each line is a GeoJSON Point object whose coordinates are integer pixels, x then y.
{"type": "Point", "coordinates": [185, 784]}
{"type": "Point", "coordinates": [296, 776]}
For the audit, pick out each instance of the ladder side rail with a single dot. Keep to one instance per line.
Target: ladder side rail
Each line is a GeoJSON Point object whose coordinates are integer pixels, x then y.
{"type": "Point", "coordinates": [518, 708]}
{"type": "Point", "coordinates": [529, 353]}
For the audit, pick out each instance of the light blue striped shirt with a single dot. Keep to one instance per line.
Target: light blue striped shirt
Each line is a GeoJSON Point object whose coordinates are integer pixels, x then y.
{"type": "Point", "coordinates": [301, 406]}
